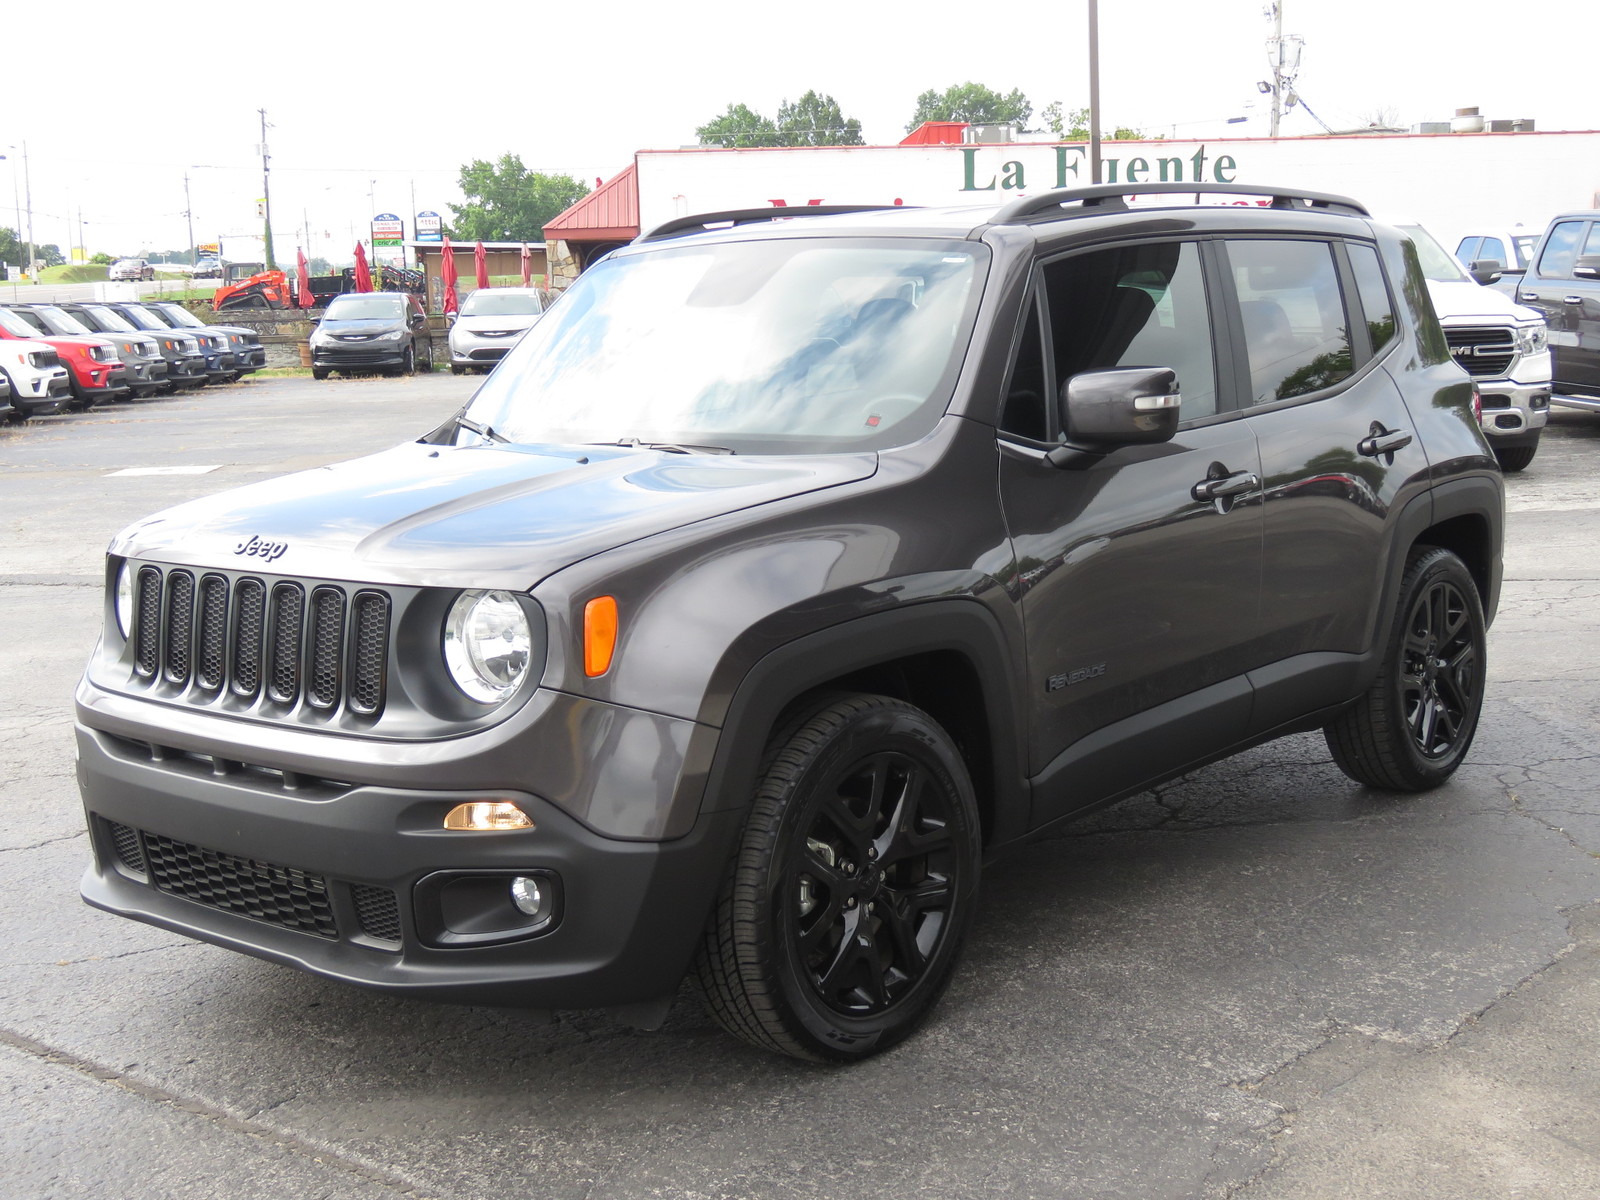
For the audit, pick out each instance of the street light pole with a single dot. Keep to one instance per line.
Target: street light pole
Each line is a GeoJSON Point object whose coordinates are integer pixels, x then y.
{"type": "Point", "coordinates": [27, 191]}
{"type": "Point", "coordinates": [1094, 91]}
{"type": "Point", "coordinates": [266, 194]}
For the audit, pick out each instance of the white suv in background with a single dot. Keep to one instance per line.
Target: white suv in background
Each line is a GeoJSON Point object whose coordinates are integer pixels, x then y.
{"type": "Point", "coordinates": [1501, 344]}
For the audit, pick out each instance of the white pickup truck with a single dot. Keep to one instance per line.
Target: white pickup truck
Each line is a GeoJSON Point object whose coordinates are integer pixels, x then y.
{"type": "Point", "coordinates": [1501, 344]}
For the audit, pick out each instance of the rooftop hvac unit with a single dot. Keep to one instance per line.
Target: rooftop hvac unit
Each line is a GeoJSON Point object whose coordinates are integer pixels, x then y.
{"type": "Point", "coordinates": [990, 133]}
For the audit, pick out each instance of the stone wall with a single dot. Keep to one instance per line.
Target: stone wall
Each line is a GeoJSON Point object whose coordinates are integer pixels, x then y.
{"type": "Point", "coordinates": [284, 331]}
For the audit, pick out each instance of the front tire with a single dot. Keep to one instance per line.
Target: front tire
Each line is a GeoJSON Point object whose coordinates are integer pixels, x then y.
{"type": "Point", "coordinates": [842, 916]}
{"type": "Point", "coordinates": [1412, 728]}
{"type": "Point", "coordinates": [1515, 458]}
{"type": "Point", "coordinates": [320, 372]}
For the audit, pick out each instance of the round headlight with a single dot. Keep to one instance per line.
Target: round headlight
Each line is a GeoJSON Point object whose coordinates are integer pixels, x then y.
{"type": "Point", "coordinates": [125, 598]}
{"type": "Point", "coordinates": [486, 644]}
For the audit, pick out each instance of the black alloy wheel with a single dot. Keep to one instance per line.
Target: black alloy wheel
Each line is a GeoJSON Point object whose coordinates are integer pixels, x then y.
{"type": "Point", "coordinates": [408, 365]}
{"type": "Point", "coordinates": [1414, 725]}
{"type": "Point", "coordinates": [841, 920]}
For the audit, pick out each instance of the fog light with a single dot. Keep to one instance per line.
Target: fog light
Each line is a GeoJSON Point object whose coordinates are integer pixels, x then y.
{"type": "Point", "coordinates": [525, 894]}
{"type": "Point", "coordinates": [485, 815]}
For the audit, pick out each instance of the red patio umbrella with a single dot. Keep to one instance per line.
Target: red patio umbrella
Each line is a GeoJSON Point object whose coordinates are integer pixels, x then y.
{"type": "Point", "coordinates": [447, 273]}
{"type": "Point", "coordinates": [482, 264]}
{"type": "Point", "coordinates": [363, 275]}
{"type": "Point", "coordinates": [527, 266]}
{"type": "Point", "coordinates": [302, 280]}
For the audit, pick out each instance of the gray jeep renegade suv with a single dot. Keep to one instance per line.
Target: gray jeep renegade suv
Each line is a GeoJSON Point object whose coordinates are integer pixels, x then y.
{"type": "Point", "coordinates": [793, 566]}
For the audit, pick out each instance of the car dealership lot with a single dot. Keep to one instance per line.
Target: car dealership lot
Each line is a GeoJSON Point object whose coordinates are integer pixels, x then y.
{"type": "Point", "coordinates": [1261, 981]}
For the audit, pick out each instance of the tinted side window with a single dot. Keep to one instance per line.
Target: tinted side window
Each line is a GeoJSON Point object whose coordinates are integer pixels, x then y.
{"type": "Point", "coordinates": [1560, 248]}
{"type": "Point", "coordinates": [1295, 329]}
{"type": "Point", "coordinates": [1591, 244]}
{"type": "Point", "coordinates": [1492, 248]}
{"type": "Point", "coordinates": [1135, 306]}
{"type": "Point", "coordinates": [1376, 306]}
{"type": "Point", "coordinates": [1467, 250]}
{"type": "Point", "coordinates": [1024, 413]}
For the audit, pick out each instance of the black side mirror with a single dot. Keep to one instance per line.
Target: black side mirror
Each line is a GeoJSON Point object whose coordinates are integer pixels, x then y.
{"type": "Point", "coordinates": [1587, 266]}
{"type": "Point", "coordinates": [1485, 270]}
{"type": "Point", "coordinates": [416, 320]}
{"type": "Point", "coordinates": [1101, 410]}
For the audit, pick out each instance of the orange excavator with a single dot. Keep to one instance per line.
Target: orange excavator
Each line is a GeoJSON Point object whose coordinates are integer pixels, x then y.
{"type": "Point", "coordinates": [252, 285]}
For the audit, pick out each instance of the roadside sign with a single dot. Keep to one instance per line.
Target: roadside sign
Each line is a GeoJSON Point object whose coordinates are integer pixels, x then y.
{"type": "Point", "coordinates": [388, 230]}
{"type": "Point", "coordinates": [429, 227]}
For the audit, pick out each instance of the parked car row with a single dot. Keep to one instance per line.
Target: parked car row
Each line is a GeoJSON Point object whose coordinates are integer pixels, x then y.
{"type": "Point", "coordinates": [1559, 278]}
{"type": "Point", "coordinates": [387, 331]}
{"type": "Point", "coordinates": [74, 355]}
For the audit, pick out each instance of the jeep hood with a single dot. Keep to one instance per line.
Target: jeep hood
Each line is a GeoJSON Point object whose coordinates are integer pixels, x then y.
{"type": "Point", "coordinates": [469, 516]}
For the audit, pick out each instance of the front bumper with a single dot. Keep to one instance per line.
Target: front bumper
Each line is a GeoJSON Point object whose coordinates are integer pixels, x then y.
{"type": "Point", "coordinates": [146, 374]}
{"type": "Point", "coordinates": [368, 357]}
{"type": "Point", "coordinates": [341, 880]}
{"type": "Point", "coordinates": [1514, 410]}
{"type": "Point", "coordinates": [99, 383]}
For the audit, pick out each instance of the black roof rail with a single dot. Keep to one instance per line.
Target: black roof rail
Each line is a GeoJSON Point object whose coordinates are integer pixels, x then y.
{"type": "Point", "coordinates": [700, 222]}
{"type": "Point", "coordinates": [1112, 197]}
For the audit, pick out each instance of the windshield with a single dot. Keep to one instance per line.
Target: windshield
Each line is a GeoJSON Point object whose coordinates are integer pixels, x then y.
{"type": "Point", "coordinates": [62, 321]}
{"type": "Point", "coordinates": [784, 346]}
{"type": "Point", "coordinates": [491, 303]}
{"type": "Point", "coordinates": [15, 325]}
{"type": "Point", "coordinates": [372, 306]}
{"type": "Point", "coordinates": [1437, 263]}
{"type": "Point", "coordinates": [178, 315]}
{"type": "Point", "coordinates": [107, 319]}
{"type": "Point", "coordinates": [144, 318]}
{"type": "Point", "coordinates": [128, 262]}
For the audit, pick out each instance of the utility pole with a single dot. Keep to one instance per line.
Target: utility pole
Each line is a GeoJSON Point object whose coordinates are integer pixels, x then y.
{"type": "Point", "coordinates": [188, 211]}
{"type": "Point", "coordinates": [1284, 55]}
{"type": "Point", "coordinates": [27, 189]}
{"type": "Point", "coordinates": [1094, 91]}
{"type": "Point", "coordinates": [266, 194]}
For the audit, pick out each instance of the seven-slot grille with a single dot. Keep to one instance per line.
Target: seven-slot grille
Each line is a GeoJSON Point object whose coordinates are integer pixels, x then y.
{"type": "Point", "coordinates": [1485, 351]}
{"type": "Point", "coordinates": [245, 637]}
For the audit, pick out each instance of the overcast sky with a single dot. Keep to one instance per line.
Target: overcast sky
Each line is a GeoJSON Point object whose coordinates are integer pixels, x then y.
{"type": "Point", "coordinates": [371, 103]}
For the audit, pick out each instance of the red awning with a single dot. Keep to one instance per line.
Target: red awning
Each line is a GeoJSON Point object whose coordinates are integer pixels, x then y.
{"type": "Point", "coordinates": [609, 213]}
{"type": "Point", "coordinates": [935, 133]}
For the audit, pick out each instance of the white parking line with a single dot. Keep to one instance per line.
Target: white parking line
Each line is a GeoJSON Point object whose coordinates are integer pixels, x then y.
{"type": "Point", "coordinates": [163, 470]}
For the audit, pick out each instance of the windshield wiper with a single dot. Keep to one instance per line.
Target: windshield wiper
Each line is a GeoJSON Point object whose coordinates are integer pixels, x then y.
{"type": "Point", "coordinates": [483, 431]}
{"type": "Point", "coordinates": [669, 447]}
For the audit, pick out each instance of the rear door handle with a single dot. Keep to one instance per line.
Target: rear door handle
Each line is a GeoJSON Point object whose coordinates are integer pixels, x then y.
{"type": "Point", "coordinates": [1383, 441]}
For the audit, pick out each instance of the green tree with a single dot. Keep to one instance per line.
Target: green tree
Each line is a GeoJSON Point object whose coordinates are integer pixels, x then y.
{"type": "Point", "coordinates": [102, 259]}
{"type": "Point", "coordinates": [971, 102]}
{"type": "Point", "coordinates": [49, 255]}
{"type": "Point", "coordinates": [11, 249]}
{"type": "Point", "coordinates": [505, 202]}
{"type": "Point", "coordinates": [816, 120]}
{"type": "Point", "coordinates": [739, 126]}
{"type": "Point", "coordinates": [1073, 126]}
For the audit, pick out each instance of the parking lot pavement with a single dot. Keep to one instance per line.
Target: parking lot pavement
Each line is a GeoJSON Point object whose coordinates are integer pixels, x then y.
{"type": "Point", "coordinates": [1261, 981]}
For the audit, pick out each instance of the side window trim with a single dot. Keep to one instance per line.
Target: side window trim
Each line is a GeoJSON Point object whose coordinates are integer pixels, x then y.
{"type": "Point", "coordinates": [1033, 301]}
{"type": "Point", "coordinates": [1355, 313]}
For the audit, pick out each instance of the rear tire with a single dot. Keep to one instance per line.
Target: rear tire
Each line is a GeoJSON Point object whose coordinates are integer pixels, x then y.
{"type": "Point", "coordinates": [842, 915]}
{"type": "Point", "coordinates": [1414, 725]}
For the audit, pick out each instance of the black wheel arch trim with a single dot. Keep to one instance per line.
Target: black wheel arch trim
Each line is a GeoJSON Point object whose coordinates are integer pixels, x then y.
{"type": "Point", "coordinates": [963, 627]}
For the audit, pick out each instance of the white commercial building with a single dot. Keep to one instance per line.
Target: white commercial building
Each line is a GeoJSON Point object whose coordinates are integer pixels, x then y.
{"type": "Point", "coordinates": [1449, 182]}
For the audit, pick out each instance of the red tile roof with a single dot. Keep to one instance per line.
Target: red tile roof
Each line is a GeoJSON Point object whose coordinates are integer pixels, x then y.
{"type": "Point", "coordinates": [609, 212]}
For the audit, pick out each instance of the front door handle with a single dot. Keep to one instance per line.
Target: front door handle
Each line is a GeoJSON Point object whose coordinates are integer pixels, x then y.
{"type": "Point", "coordinates": [1528, 296]}
{"type": "Point", "coordinates": [1228, 485]}
{"type": "Point", "coordinates": [1572, 299]}
{"type": "Point", "coordinates": [1383, 442]}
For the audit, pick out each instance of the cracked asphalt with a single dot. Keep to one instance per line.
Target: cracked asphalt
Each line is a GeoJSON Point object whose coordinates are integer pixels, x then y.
{"type": "Point", "coordinates": [1260, 981]}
